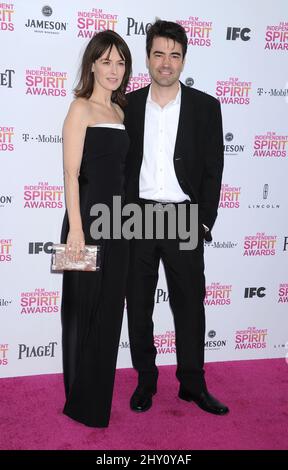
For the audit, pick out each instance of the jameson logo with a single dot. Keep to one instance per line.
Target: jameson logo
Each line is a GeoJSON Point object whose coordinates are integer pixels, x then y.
{"type": "Point", "coordinates": [214, 344]}
{"type": "Point", "coordinates": [232, 148]}
{"type": "Point", "coordinates": [44, 25]}
{"type": "Point", "coordinates": [5, 200]}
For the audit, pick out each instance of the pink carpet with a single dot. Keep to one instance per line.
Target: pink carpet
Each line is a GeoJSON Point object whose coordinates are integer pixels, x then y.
{"type": "Point", "coordinates": [256, 392]}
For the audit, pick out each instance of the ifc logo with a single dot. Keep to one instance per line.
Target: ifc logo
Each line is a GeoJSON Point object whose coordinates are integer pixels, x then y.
{"type": "Point", "coordinates": [47, 11]}
{"type": "Point", "coordinates": [189, 82]}
{"type": "Point", "coordinates": [229, 136]}
{"type": "Point", "coordinates": [212, 334]}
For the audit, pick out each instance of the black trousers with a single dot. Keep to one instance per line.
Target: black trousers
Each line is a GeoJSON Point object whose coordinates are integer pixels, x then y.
{"type": "Point", "coordinates": [186, 286]}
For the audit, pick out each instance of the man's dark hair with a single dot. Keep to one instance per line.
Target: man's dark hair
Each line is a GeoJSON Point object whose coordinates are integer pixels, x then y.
{"type": "Point", "coordinates": [166, 29]}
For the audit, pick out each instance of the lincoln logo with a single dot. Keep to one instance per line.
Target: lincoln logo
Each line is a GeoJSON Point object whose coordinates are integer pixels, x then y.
{"type": "Point", "coordinates": [265, 191]}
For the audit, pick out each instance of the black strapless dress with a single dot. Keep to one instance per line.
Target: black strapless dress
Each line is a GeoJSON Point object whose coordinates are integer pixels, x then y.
{"type": "Point", "coordinates": [93, 302]}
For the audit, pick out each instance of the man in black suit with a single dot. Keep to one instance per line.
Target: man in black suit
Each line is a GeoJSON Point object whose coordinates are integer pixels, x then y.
{"type": "Point", "coordinates": [176, 156]}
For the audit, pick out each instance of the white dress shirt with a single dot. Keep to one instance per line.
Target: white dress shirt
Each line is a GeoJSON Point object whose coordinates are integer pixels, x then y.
{"type": "Point", "coordinates": [158, 180]}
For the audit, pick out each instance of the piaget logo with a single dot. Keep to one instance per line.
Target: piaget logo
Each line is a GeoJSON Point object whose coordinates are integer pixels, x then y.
{"type": "Point", "coordinates": [161, 296]}
{"type": "Point", "coordinates": [136, 27]}
{"type": "Point", "coordinates": [27, 351]}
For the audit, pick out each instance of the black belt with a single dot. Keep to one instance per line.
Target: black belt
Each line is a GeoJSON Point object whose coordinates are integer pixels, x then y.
{"type": "Point", "coordinates": [162, 203]}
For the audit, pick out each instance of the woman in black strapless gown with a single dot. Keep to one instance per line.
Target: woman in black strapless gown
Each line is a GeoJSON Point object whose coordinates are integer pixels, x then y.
{"type": "Point", "coordinates": [93, 302]}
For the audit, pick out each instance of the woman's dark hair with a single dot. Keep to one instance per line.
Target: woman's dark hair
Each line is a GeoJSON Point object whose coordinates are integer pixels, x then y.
{"type": "Point", "coordinates": [100, 43]}
{"type": "Point", "coordinates": [166, 29]}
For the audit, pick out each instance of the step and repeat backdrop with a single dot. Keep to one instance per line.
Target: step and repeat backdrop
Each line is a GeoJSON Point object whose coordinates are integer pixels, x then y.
{"type": "Point", "coordinates": [238, 53]}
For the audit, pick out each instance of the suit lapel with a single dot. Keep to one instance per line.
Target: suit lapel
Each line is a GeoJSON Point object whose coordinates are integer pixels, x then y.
{"type": "Point", "coordinates": [186, 124]}
{"type": "Point", "coordinates": [139, 111]}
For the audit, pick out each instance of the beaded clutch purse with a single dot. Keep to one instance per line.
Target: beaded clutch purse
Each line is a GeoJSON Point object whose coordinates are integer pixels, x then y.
{"type": "Point", "coordinates": [89, 261]}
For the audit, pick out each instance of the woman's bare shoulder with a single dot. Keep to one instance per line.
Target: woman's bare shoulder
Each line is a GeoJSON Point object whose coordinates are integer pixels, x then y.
{"type": "Point", "coordinates": [79, 110]}
{"type": "Point", "coordinates": [79, 106]}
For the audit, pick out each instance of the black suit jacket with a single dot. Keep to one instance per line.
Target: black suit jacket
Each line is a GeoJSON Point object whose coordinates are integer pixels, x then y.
{"type": "Point", "coordinates": [198, 155]}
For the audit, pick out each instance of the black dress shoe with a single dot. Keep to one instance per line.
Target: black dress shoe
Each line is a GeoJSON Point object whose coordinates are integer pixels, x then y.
{"type": "Point", "coordinates": [205, 401]}
{"type": "Point", "coordinates": [141, 400]}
